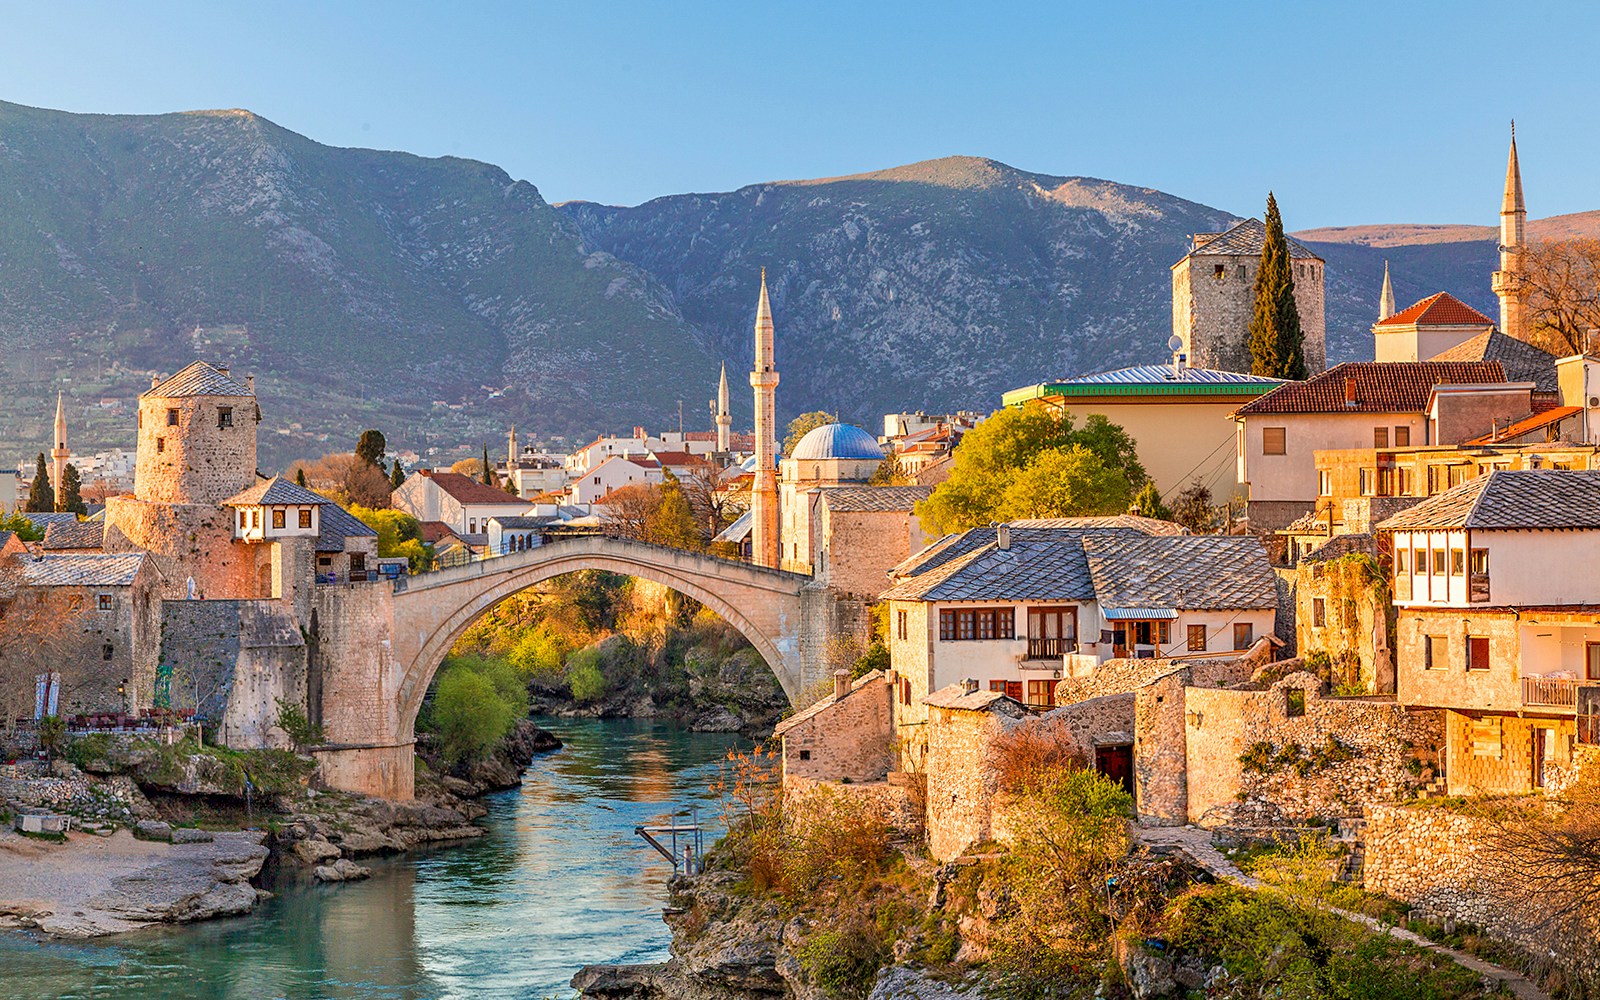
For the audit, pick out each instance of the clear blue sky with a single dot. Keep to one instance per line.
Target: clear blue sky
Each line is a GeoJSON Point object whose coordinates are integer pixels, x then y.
{"type": "Point", "coordinates": [1352, 112]}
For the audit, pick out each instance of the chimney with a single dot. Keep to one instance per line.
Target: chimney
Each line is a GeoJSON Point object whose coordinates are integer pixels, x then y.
{"type": "Point", "coordinates": [155, 380]}
{"type": "Point", "coordinates": [1180, 361]}
{"type": "Point", "coordinates": [223, 369]}
{"type": "Point", "coordinates": [969, 686]}
{"type": "Point", "coordinates": [1349, 391]}
{"type": "Point", "coordinates": [841, 684]}
{"type": "Point", "coordinates": [639, 433]}
{"type": "Point", "coordinates": [1002, 534]}
{"type": "Point", "coordinates": [250, 383]}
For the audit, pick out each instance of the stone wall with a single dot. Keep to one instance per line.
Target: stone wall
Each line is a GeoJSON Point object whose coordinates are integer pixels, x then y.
{"type": "Point", "coordinates": [858, 548]}
{"type": "Point", "coordinates": [186, 541]}
{"type": "Point", "coordinates": [232, 662]}
{"type": "Point", "coordinates": [189, 459]}
{"type": "Point", "coordinates": [1493, 754]}
{"type": "Point", "coordinates": [1342, 611]}
{"type": "Point", "coordinates": [1128, 675]}
{"type": "Point", "coordinates": [1160, 752]}
{"type": "Point", "coordinates": [1213, 313]}
{"type": "Point", "coordinates": [852, 738]}
{"type": "Point", "coordinates": [1250, 762]}
{"type": "Point", "coordinates": [896, 801]}
{"type": "Point", "coordinates": [961, 784]}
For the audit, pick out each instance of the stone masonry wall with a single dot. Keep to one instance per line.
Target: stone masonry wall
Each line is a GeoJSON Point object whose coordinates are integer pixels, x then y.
{"type": "Point", "coordinates": [860, 547]}
{"type": "Point", "coordinates": [186, 540]}
{"type": "Point", "coordinates": [853, 739]}
{"type": "Point", "coordinates": [352, 665]}
{"type": "Point", "coordinates": [1352, 628]}
{"type": "Point", "coordinates": [1160, 753]}
{"type": "Point", "coordinates": [1250, 763]}
{"type": "Point", "coordinates": [1213, 313]}
{"type": "Point", "coordinates": [1127, 675]}
{"type": "Point", "coordinates": [232, 662]}
{"type": "Point", "coordinates": [961, 784]}
{"type": "Point", "coordinates": [194, 461]}
{"type": "Point", "coordinates": [896, 802]}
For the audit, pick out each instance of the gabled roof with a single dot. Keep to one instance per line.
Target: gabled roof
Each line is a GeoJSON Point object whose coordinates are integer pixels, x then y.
{"type": "Point", "coordinates": [276, 491]}
{"type": "Point", "coordinates": [1136, 522]}
{"type": "Point", "coordinates": [61, 535]}
{"type": "Point", "coordinates": [826, 702]}
{"type": "Point", "coordinates": [335, 524]}
{"type": "Point", "coordinates": [957, 696]}
{"type": "Point", "coordinates": [1172, 572]}
{"type": "Point", "coordinates": [201, 379]}
{"type": "Point", "coordinates": [519, 523]}
{"type": "Point", "coordinates": [1042, 564]}
{"type": "Point", "coordinates": [467, 490]}
{"type": "Point", "coordinates": [82, 569]}
{"type": "Point", "coordinates": [1439, 309]}
{"type": "Point", "coordinates": [1510, 499]}
{"type": "Point", "coordinates": [1245, 240]}
{"type": "Point", "coordinates": [1521, 360]}
{"type": "Point", "coordinates": [874, 498]}
{"type": "Point", "coordinates": [434, 532]}
{"type": "Point", "coordinates": [1380, 387]}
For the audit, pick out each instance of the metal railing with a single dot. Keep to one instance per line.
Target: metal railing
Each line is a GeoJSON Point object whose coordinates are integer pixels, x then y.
{"type": "Point", "coordinates": [1550, 692]}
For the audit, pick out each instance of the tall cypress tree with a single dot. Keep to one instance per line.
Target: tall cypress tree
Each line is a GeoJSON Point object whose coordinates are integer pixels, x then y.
{"type": "Point", "coordinates": [70, 499]}
{"type": "Point", "coordinates": [1277, 344]}
{"type": "Point", "coordinates": [488, 470]}
{"type": "Point", "coordinates": [397, 476]}
{"type": "Point", "coordinates": [41, 498]}
{"type": "Point", "coordinates": [300, 476]}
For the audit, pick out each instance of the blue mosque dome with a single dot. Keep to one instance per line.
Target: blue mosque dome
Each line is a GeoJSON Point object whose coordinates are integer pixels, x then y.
{"type": "Point", "coordinates": [837, 441]}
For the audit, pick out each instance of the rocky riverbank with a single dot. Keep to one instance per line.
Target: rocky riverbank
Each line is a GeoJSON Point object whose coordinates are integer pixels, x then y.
{"type": "Point", "coordinates": [208, 821]}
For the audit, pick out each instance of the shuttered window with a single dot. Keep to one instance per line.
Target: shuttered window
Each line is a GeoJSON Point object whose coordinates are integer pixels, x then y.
{"type": "Point", "coordinates": [1274, 441]}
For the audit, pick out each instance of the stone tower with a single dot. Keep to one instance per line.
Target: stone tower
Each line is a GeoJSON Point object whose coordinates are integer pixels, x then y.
{"type": "Point", "coordinates": [764, 492]}
{"type": "Point", "coordinates": [724, 418]}
{"type": "Point", "coordinates": [59, 454]}
{"type": "Point", "coordinates": [1213, 298]}
{"type": "Point", "coordinates": [1386, 297]}
{"type": "Point", "coordinates": [511, 448]}
{"type": "Point", "coordinates": [1510, 284]}
{"type": "Point", "coordinates": [197, 437]}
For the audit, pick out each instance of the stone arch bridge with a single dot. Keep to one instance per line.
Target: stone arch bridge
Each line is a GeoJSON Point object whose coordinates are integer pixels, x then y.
{"type": "Point", "coordinates": [376, 647]}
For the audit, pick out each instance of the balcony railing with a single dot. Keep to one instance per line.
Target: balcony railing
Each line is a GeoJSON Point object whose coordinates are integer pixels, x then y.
{"type": "Point", "coordinates": [1550, 692]}
{"type": "Point", "coordinates": [1050, 648]}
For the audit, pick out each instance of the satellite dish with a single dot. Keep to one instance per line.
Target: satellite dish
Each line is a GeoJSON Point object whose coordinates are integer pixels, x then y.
{"type": "Point", "coordinates": [1174, 343]}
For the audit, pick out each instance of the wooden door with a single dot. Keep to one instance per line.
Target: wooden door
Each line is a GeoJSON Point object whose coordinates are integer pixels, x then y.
{"type": "Point", "coordinates": [1116, 763]}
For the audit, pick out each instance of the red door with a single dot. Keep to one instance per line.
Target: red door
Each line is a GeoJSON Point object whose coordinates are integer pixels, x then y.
{"type": "Point", "coordinates": [1116, 763]}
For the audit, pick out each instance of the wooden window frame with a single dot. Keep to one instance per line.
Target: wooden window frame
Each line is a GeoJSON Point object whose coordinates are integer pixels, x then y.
{"type": "Point", "coordinates": [1402, 437]}
{"type": "Point", "coordinates": [1319, 612]}
{"type": "Point", "coordinates": [1196, 638]}
{"type": "Point", "coordinates": [1380, 437]}
{"type": "Point", "coordinates": [1246, 629]}
{"type": "Point", "coordinates": [1274, 436]}
{"type": "Point", "coordinates": [1478, 653]}
{"type": "Point", "coordinates": [977, 624]}
{"type": "Point", "coordinates": [305, 517]}
{"type": "Point", "coordinates": [900, 624]}
{"type": "Point", "coordinates": [280, 518]}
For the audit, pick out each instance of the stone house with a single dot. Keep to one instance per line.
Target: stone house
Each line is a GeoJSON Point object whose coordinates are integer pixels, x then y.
{"type": "Point", "coordinates": [1497, 622]}
{"type": "Point", "coordinates": [1422, 332]}
{"type": "Point", "coordinates": [461, 502]}
{"type": "Point", "coordinates": [827, 456]}
{"type": "Point", "coordinates": [845, 735]}
{"type": "Point", "coordinates": [962, 723]}
{"type": "Point", "coordinates": [346, 547]}
{"type": "Point", "coordinates": [93, 618]}
{"type": "Point", "coordinates": [1343, 612]}
{"type": "Point", "coordinates": [851, 537]}
{"type": "Point", "coordinates": [1018, 607]}
{"type": "Point", "coordinates": [1356, 405]}
{"type": "Point", "coordinates": [1179, 416]}
{"type": "Point", "coordinates": [1213, 297]}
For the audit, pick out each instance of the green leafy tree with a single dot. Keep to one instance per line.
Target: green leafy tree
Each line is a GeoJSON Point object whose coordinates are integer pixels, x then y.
{"type": "Point", "coordinates": [802, 425]}
{"type": "Point", "coordinates": [1147, 503]}
{"type": "Point", "coordinates": [25, 529]}
{"type": "Point", "coordinates": [397, 476]}
{"type": "Point", "coordinates": [488, 470]}
{"type": "Point", "coordinates": [672, 522]}
{"type": "Point", "coordinates": [585, 678]}
{"type": "Point", "coordinates": [399, 534]}
{"type": "Point", "coordinates": [477, 700]}
{"type": "Point", "coordinates": [1002, 447]}
{"type": "Point", "coordinates": [1065, 483]}
{"type": "Point", "coordinates": [889, 472]}
{"type": "Point", "coordinates": [1277, 344]}
{"type": "Point", "coordinates": [371, 447]}
{"type": "Point", "coordinates": [70, 499]}
{"type": "Point", "coordinates": [41, 498]}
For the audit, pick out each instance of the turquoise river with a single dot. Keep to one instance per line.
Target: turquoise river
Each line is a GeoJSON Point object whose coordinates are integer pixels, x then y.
{"type": "Point", "coordinates": [560, 881]}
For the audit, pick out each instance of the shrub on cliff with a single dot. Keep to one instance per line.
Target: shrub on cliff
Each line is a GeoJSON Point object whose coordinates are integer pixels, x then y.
{"type": "Point", "coordinates": [476, 702]}
{"type": "Point", "coordinates": [585, 678]}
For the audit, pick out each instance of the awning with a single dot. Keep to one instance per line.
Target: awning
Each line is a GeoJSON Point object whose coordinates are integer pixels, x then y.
{"type": "Point", "coordinates": [1138, 614]}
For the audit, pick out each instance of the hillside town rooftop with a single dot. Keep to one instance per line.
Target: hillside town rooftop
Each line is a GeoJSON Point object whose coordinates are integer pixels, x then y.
{"type": "Point", "coordinates": [201, 379]}
{"type": "Point", "coordinates": [1373, 387]}
{"type": "Point", "coordinates": [1153, 576]}
{"type": "Point", "coordinates": [1510, 499]}
{"type": "Point", "coordinates": [83, 570]}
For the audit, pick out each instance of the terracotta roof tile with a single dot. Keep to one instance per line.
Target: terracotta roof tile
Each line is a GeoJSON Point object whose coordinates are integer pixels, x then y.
{"type": "Point", "coordinates": [1380, 387]}
{"type": "Point", "coordinates": [1440, 309]}
{"type": "Point", "coordinates": [468, 490]}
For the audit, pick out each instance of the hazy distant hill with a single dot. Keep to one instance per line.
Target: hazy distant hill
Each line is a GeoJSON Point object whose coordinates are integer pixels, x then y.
{"type": "Point", "coordinates": [364, 286]}
{"type": "Point", "coordinates": [360, 286]}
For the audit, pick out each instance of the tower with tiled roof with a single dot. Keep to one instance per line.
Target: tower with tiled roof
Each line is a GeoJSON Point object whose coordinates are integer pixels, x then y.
{"type": "Point", "coordinates": [1510, 283]}
{"type": "Point", "coordinates": [764, 491]}
{"type": "Point", "coordinates": [197, 437]}
{"type": "Point", "coordinates": [1213, 297]}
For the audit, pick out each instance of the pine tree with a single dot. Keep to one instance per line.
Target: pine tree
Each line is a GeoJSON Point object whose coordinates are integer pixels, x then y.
{"type": "Point", "coordinates": [488, 470]}
{"type": "Point", "coordinates": [371, 447]}
{"type": "Point", "coordinates": [70, 499]}
{"type": "Point", "coordinates": [397, 476]}
{"type": "Point", "coordinates": [300, 476]}
{"type": "Point", "coordinates": [1277, 344]}
{"type": "Point", "coordinates": [41, 498]}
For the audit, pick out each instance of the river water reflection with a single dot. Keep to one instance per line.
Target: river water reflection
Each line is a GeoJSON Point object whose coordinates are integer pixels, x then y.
{"type": "Point", "coordinates": [559, 882]}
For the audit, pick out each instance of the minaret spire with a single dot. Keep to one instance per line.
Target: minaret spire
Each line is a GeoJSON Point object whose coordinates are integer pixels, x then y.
{"type": "Point", "coordinates": [59, 454]}
{"type": "Point", "coordinates": [724, 418]}
{"type": "Point", "coordinates": [764, 492]}
{"type": "Point", "coordinates": [1386, 297]}
{"type": "Point", "coordinates": [1509, 282]}
{"type": "Point", "coordinates": [511, 447]}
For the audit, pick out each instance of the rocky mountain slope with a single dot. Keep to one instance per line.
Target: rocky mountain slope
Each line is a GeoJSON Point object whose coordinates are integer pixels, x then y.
{"type": "Point", "coordinates": [360, 286]}
{"type": "Point", "coordinates": [439, 299]}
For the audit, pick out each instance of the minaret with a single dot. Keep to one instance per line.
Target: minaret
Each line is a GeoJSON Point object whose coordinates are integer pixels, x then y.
{"type": "Point", "coordinates": [764, 494]}
{"type": "Point", "coordinates": [60, 453]}
{"type": "Point", "coordinates": [724, 418]}
{"type": "Point", "coordinates": [1386, 297]}
{"type": "Point", "coordinates": [511, 448]}
{"type": "Point", "coordinates": [1509, 282]}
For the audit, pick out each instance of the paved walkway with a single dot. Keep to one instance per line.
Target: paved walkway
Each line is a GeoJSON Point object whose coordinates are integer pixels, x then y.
{"type": "Point", "coordinates": [1197, 845]}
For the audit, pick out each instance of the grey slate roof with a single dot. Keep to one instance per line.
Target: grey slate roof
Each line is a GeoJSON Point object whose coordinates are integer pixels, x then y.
{"type": "Point", "coordinates": [275, 491]}
{"type": "Point", "coordinates": [524, 522]}
{"type": "Point", "coordinates": [1245, 240]}
{"type": "Point", "coordinates": [201, 379]}
{"type": "Point", "coordinates": [1135, 522]}
{"type": "Point", "coordinates": [335, 524]}
{"type": "Point", "coordinates": [1042, 564]}
{"type": "Point", "coordinates": [46, 519]}
{"type": "Point", "coordinates": [76, 535]}
{"type": "Point", "coordinates": [956, 696]}
{"type": "Point", "coordinates": [1188, 572]}
{"type": "Point", "coordinates": [874, 498]}
{"type": "Point", "coordinates": [1521, 360]}
{"type": "Point", "coordinates": [83, 570]}
{"type": "Point", "coordinates": [1510, 498]}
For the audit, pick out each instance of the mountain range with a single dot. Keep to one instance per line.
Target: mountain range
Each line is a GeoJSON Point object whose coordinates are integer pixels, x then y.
{"type": "Point", "coordinates": [440, 300]}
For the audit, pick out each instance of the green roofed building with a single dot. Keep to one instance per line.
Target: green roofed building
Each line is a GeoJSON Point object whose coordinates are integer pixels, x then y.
{"type": "Point", "coordinates": [1180, 416]}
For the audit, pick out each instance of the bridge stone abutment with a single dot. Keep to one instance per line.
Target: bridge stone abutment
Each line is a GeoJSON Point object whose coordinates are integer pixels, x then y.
{"type": "Point", "coordinates": [376, 648]}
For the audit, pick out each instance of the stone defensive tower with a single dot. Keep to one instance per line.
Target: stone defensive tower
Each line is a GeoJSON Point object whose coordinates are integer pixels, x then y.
{"type": "Point", "coordinates": [1213, 298]}
{"type": "Point", "coordinates": [1510, 283]}
{"type": "Point", "coordinates": [764, 492]}
{"type": "Point", "coordinates": [197, 437]}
